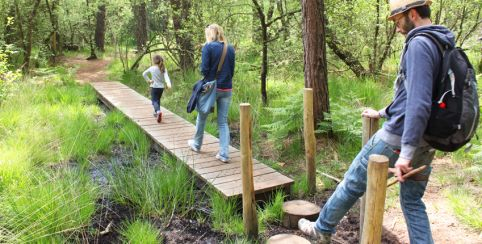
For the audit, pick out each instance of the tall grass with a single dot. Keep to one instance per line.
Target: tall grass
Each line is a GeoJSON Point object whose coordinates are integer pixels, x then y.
{"type": "Point", "coordinates": [466, 206]}
{"type": "Point", "coordinates": [131, 135]}
{"type": "Point", "coordinates": [50, 120]}
{"type": "Point", "coordinates": [140, 232]}
{"type": "Point", "coordinates": [272, 212]}
{"type": "Point", "coordinates": [155, 191]}
{"type": "Point", "coordinates": [48, 205]}
{"type": "Point", "coordinates": [225, 214]}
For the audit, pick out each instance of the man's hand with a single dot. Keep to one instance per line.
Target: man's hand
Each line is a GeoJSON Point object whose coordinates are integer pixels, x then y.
{"type": "Point", "coordinates": [402, 166]}
{"type": "Point", "coordinates": [151, 81]}
{"type": "Point", "coordinates": [168, 86]}
{"type": "Point", "coordinates": [370, 113]}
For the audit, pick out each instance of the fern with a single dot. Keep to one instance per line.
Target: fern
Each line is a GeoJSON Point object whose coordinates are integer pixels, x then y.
{"type": "Point", "coordinates": [288, 119]}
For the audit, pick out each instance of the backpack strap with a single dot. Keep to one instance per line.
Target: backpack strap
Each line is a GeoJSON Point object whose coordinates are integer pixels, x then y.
{"type": "Point", "coordinates": [443, 65]}
{"type": "Point", "coordinates": [223, 56]}
{"type": "Point", "coordinates": [441, 47]}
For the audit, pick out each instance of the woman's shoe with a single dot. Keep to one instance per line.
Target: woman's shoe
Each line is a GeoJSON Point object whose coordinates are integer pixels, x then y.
{"type": "Point", "coordinates": [191, 145]}
{"type": "Point", "coordinates": [221, 158]}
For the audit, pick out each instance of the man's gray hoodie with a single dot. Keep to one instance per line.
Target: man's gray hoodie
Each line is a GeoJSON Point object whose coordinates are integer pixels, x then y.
{"type": "Point", "coordinates": [409, 112]}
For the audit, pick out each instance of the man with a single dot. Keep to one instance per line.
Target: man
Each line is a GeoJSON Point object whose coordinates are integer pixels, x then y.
{"type": "Point", "coordinates": [401, 137]}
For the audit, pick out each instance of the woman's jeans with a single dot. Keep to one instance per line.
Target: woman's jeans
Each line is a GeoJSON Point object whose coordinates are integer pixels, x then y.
{"type": "Point", "coordinates": [156, 94]}
{"type": "Point", "coordinates": [354, 184]}
{"type": "Point", "coordinates": [223, 100]}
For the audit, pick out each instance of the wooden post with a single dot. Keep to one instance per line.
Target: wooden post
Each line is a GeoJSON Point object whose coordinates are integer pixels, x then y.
{"type": "Point", "coordinates": [375, 198]}
{"type": "Point", "coordinates": [250, 219]}
{"type": "Point", "coordinates": [310, 142]}
{"type": "Point", "coordinates": [369, 128]}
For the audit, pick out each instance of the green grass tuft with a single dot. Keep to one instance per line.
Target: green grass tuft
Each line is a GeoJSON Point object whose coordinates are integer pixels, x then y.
{"type": "Point", "coordinates": [49, 205]}
{"type": "Point", "coordinates": [225, 215]}
{"type": "Point", "coordinates": [466, 206]}
{"type": "Point", "coordinates": [140, 232]}
{"type": "Point", "coordinates": [131, 135]}
{"type": "Point", "coordinates": [151, 191]}
{"type": "Point", "coordinates": [273, 210]}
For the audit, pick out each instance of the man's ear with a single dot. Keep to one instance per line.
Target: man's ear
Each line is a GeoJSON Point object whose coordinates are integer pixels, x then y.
{"type": "Point", "coordinates": [413, 15]}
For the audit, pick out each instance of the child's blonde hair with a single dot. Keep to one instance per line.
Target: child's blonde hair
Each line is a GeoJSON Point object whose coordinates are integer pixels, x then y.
{"type": "Point", "coordinates": [157, 59]}
{"type": "Point", "coordinates": [214, 32]}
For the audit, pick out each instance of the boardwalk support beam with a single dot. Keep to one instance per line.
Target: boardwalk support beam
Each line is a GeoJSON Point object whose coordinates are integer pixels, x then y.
{"type": "Point", "coordinates": [375, 198]}
{"type": "Point", "coordinates": [369, 128]}
{"type": "Point", "coordinates": [310, 142]}
{"type": "Point", "coordinates": [250, 219]}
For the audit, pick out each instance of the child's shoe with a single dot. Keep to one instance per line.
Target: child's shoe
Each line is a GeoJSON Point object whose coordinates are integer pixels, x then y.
{"type": "Point", "coordinates": [159, 117]}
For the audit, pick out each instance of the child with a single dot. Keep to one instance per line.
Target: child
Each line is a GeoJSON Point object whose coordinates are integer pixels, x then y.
{"type": "Point", "coordinates": [158, 77]}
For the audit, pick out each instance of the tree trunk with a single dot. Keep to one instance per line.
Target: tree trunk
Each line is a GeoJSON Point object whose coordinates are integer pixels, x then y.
{"type": "Point", "coordinates": [264, 41]}
{"type": "Point", "coordinates": [27, 40]}
{"type": "Point", "coordinates": [255, 36]}
{"type": "Point", "coordinates": [100, 28]}
{"type": "Point", "coordinates": [8, 35]}
{"type": "Point", "coordinates": [140, 14]}
{"type": "Point", "coordinates": [90, 33]}
{"type": "Point", "coordinates": [351, 61]}
{"type": "Point", "coordinates": [374, 57]}
{"type": "Point", "coordinates": [315, 56]}
{"type": "Point", "coordinates": [54, 35]}
{"type": "Point", "coordinates": [388, 48]}
{"type": "Point", "coordinates": [264, 65]}
{"type": "Point", "coordinates": [181, 14]}
{"type": "Point", "coordinates": [281, 5]}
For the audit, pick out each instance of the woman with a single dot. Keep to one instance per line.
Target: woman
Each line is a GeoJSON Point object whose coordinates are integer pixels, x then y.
{"type": "Point", "coordinates": [211, 55]}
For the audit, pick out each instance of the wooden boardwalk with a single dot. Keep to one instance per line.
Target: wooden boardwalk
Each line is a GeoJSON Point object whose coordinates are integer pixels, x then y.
{"type": "Point", "coordinates": [172, 135]}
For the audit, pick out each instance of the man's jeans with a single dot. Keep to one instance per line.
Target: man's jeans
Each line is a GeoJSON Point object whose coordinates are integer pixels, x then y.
{"type": "Point", "coordinates": [223, 100]}
{"type": "Point", "coordinates": [156, 94]}
{"type": "Point", "coordinates": [354, 183]}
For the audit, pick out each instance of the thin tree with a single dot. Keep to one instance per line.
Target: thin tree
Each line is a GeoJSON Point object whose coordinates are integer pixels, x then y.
{"type": "Point", "coordinates": [180, 17]}
{"type": "Point", "coordinates": [90, 34]}
{"type": "Point", "coordinates": [26, 38]}
{"type": "Point", "coordinates": [100, 28]}
{"type": "Point", "coordinates": [266, 21]}
{"type": "Point", "coordinates": [54, 37]}
{"type": "Point", "coordinates": [140, 13]}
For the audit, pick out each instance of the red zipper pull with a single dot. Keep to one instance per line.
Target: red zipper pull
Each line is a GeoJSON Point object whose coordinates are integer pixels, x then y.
{"type": "Point", "coordinates": [442, 105]}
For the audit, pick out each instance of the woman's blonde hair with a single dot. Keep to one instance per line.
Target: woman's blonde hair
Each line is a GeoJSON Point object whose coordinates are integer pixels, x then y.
{"type": "Point", "coordinates": [214, 32]}
{"type": "Point", "coordinates": [160, 62]}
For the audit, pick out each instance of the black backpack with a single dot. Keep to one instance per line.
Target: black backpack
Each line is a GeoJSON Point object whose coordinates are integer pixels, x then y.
{"type": "Point", "coordinates": [455, 103]}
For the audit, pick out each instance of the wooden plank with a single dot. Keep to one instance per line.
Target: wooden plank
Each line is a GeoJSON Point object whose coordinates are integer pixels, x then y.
{"type": "Point", "coordinates": [259, 187]}
{"type": "Point", "coordinates": [226, 166]}
{"type": "Point", "coordinates": [237, 183]}
{"type": "Point", "coordinates": [211, 162]}
{"type": "Point", "coordinates": [214, 172]}
{"type": "Point", "coordinates": [235, 177]}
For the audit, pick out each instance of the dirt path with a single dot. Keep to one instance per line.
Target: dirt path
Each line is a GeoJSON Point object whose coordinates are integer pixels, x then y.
{"type": "Point", "coordinates": [89, 70]}
{"type": "Point", "coordinates": [446, 228]}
